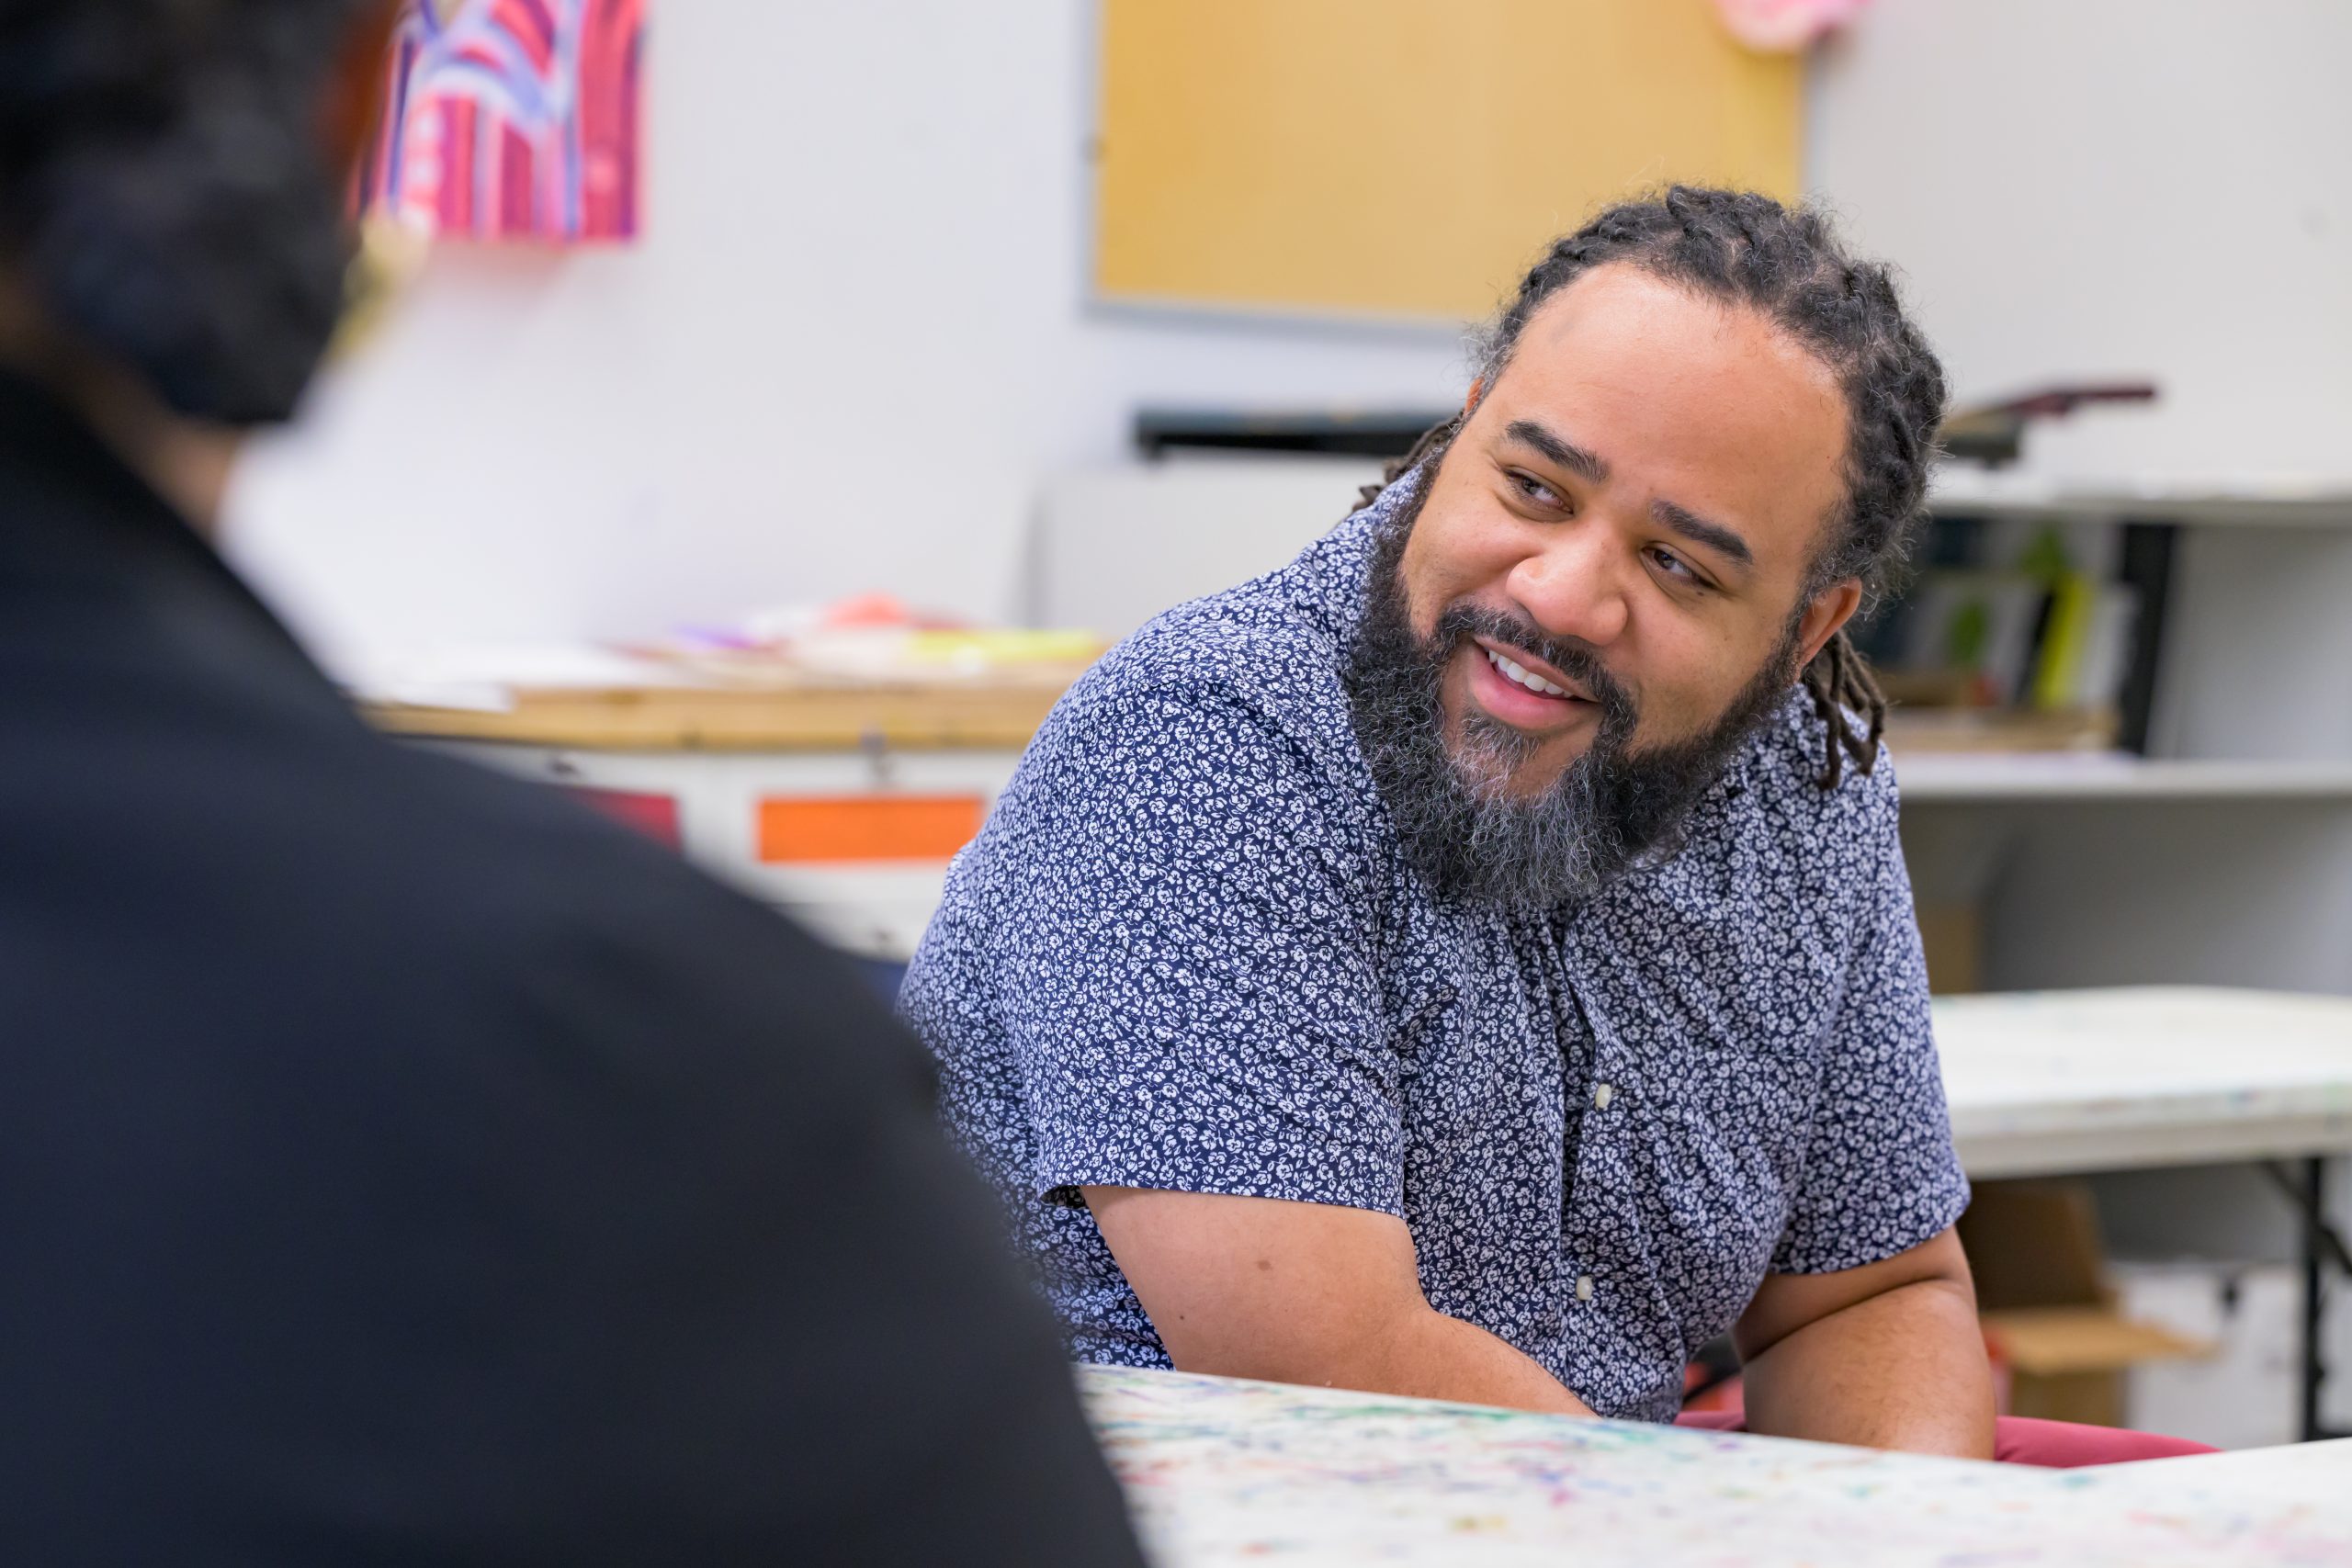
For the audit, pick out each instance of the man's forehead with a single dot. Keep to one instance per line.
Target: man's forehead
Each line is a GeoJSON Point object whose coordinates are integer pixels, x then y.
{"type": "Point", "coordinates": [1620, 314]}
{"type": "Point", "coordinates": [1707, 405]}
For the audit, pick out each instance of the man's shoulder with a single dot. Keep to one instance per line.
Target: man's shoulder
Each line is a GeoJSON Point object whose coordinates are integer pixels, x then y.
{"type": "Point", "coordinates": [382, 873]}
{"type": "Point", "coordinates": [1275, 647]}
{"type": "Point", "coordinates": [512, 885]}
{"type": "Point", "coordinates": [1244, 659]}
{"type": "Point", "coordinates": [1770, 815]}
{"type": "Point", "coordinates": [1779, 774]}
{"type": "Point", "coordinates": [1221, 729]}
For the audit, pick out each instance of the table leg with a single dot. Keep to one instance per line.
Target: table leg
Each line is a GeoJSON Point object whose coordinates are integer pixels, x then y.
{"type": "Point", "coordinates": [2321, 1245]}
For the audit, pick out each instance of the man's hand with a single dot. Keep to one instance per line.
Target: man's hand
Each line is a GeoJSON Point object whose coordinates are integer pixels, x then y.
{"type": "Point", "coordinates": [1306, 1293]}
{"type": "Point", "coordinates": [1885, 1357]}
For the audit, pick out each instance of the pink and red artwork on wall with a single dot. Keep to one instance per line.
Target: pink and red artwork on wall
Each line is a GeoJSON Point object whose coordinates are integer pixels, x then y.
{"type": "Point", "coordinates": [513, 119]}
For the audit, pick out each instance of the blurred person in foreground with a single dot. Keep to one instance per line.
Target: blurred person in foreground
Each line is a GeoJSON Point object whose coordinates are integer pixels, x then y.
{"type": "Point", "coordinates": [1477, 961]}
{"type": "Point", "coordinates": [400, 1164]}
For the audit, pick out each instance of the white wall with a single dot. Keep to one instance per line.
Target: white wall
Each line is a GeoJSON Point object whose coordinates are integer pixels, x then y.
{"type": "Point", "coordinates": [850, 345]}
{"type": "Point", "coordinates": [2089, 187]}
{"type": "Point", "coordinates": [2159, 187]}
{"type": "Point", "coordinates": [854, 343]}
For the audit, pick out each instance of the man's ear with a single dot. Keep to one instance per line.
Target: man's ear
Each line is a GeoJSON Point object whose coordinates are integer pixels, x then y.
{"type": "Point", "coordinates": [1824, 615]}
{"type": "Point", "coordinates": [1470, 402]}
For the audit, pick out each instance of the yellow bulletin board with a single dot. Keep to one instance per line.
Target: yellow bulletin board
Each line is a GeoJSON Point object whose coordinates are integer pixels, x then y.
{"type": "Point", "coordinates": [1406, 158]}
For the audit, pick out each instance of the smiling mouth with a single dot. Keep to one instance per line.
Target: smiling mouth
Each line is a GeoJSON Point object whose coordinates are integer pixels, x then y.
{"type": "Point", "coordinates": [1512, 670]}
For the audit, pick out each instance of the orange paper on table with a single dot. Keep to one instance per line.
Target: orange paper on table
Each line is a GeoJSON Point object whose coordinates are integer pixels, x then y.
{"type": "Point", "coordinates": [802, 829]}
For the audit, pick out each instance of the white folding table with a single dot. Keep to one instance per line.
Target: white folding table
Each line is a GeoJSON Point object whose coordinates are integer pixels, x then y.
{"type": "Point", "coordinates": [2054, 1083]}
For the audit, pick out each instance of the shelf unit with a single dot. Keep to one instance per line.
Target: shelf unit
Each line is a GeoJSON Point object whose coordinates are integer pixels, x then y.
{"type": "Point", "coordinates": [1937, 778]}
{"type": "Point", "coordinates": [2313, 503]}
{"type": "Point", "coordinates": [2222, 852]}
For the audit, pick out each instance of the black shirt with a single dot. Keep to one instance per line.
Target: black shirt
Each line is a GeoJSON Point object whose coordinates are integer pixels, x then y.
{"type": "Point", "coordinates": [398, 1164]}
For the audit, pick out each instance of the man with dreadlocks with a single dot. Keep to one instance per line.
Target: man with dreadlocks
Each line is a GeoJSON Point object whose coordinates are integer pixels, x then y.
{"type": "Point", "coordinates": [1476, 961]}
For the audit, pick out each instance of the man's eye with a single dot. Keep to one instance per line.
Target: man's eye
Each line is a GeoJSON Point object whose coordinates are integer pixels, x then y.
{"type": "Point", "coordinates": [1673, 564]}
{"type": "Point", "coordinates": [1536, 490]}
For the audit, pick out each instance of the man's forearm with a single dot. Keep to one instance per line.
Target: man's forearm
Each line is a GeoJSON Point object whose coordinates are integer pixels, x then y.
{"type": "Point", "coordinates": [1306, 1293]}
{"type": "Point", "coordinates": [1424, 1354]}
{"type": "Point", "coordinates": [1904, 1370]}
{"type": "Point", "coordinates": [1431, 1356]}
{"type": "Point", "coordinates": [1419, 1352]}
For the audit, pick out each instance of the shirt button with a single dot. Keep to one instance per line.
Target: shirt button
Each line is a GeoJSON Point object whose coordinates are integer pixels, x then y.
{"type": "Point", "coordinates": [1603, 1094]}
{"type": "Point", "coordinates": [1584, 1287]}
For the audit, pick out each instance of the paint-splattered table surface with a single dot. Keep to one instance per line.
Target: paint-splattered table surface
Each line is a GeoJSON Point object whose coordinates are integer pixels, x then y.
{"type": "Point", "coordinates": [1226, 1472]}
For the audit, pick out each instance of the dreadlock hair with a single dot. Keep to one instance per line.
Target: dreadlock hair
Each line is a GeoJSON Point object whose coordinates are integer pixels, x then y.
{"type": "Point", "coordinates": [1787, 265]}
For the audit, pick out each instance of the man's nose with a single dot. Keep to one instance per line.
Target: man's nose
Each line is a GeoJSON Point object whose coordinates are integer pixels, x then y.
{"type": "Point", "coordinates": [1575, 586]}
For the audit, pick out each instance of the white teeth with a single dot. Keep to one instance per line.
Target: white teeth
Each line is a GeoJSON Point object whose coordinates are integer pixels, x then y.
{"type": "Point", "coordinates": [1520, 674]}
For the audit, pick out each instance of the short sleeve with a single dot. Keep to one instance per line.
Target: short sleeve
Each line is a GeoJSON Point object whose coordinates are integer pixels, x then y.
{"type": "Point", "coordinates": [1191, 984]}
{"type": "Point", "coordinates": [1880, 1174]}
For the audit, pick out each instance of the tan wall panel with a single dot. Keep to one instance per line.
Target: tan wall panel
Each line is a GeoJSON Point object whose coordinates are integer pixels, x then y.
{"type": "Point", "coordinates": [1406, 157]}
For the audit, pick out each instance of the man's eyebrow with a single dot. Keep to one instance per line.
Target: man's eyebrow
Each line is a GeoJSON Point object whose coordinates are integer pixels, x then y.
{"type": "Point", "coordinates": [1696, 529]}
{"type": "Point", "coordinates": [1567, 454]}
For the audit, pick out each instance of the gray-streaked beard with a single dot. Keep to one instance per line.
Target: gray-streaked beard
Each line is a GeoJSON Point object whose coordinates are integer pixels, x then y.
{"type": "Point", "coordinates": [1459, 827]}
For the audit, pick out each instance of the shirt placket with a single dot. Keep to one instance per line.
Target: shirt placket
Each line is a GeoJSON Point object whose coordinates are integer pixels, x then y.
{"type": "Point", "coordinates": [1591, 1101]}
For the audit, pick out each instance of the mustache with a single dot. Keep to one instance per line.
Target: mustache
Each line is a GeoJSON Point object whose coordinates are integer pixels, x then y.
{"type": "Point", "coordinates": [1570, 657]}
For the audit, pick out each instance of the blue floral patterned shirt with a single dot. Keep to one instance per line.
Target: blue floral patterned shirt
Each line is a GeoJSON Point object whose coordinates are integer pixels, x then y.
{"type": "Point", "coordinates": [1187, 954]}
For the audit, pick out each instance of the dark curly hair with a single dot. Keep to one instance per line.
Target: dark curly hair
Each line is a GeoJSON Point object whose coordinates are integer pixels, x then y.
{"type": "Point", "coordinates": [164, 193]}
{"type": "Point", "coordinates": [1788, 264]}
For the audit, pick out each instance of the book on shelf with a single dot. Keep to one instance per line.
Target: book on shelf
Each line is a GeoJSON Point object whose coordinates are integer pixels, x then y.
{"type": "Point", "coordinates": [2030, 656]}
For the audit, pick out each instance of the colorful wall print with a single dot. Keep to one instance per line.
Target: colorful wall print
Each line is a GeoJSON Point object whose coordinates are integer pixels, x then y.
{"type": "Point", "coordinates": [513, 119]}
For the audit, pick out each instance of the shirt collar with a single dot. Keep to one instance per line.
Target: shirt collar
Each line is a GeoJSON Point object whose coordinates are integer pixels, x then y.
{"type": "Point", "coordinates": [1329, 581]}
